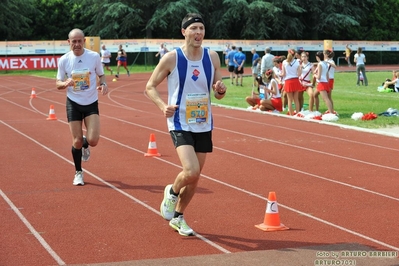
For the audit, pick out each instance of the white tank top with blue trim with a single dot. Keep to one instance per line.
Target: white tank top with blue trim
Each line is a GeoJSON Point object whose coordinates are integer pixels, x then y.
{"type": "Point", "coordinates": [189, 87]}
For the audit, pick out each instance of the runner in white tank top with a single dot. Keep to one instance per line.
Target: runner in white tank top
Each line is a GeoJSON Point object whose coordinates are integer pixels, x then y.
{"type": "Point", "coordinates": [193, 76]}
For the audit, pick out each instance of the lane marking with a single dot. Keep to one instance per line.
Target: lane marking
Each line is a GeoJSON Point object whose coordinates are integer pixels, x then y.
{"type": "Point", "coordinates": [213, 244]}
{"type": "Point", "coordinates": [32, 230]}
{"type": "Point", "coordinates": [209, 178]}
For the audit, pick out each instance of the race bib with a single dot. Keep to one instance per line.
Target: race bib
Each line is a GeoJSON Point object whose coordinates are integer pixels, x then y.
{"type": "Point", "coordinates": [197, 108]}
{"type": "Point", "coordinates": [81, 77]}
{"type": "Point", "coordinates": [262, 92]}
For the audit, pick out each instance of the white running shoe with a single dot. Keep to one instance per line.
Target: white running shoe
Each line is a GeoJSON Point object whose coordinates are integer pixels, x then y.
{"type": "Point", "coordinates": [85, 152]}
{"type": "Point", "coordinates": [78, 180]}
{"type": "Point", "coordinates": [168, 204]}
{"type": "Point", "coordinates": [180, 225]}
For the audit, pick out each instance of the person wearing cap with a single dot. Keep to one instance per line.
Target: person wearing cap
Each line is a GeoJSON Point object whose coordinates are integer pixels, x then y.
{"type": "Point", "coordinates": [193, 76]}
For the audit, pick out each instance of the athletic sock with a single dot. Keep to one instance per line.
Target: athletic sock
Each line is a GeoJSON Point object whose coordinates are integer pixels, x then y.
{"type": "Point", "coordinates": [172, 192]}
{"type": "Point", "coordinates": [85, 143]}
{"type": "Point", "coordinates": [177, 214]}
{"type": "Point", "coordinates": [77, 158]}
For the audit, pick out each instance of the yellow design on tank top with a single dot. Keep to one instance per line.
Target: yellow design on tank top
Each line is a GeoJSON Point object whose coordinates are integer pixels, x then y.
{"type": "Point", "coordinates": [197, 107]}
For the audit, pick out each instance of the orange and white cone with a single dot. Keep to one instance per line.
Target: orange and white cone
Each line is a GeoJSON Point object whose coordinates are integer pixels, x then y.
{"type": "Point", "coordinates": [33, 93]}
{"type": "Point", "coordinates": [152, 147]}
{"type": "Point", "coordinates": [271, 221]}
{"type": "Point", "coordinates": [51, 115]}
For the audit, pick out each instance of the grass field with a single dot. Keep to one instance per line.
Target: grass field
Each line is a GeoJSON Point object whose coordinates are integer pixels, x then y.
{"type": "Point", "coordinates": [348, 98]}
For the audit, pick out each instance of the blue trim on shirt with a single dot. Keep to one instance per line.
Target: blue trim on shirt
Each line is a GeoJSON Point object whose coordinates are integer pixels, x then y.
{"type": "Point", "coordinates": [206, 63]}
{"type": "Point", "coordinates": [182, 70]}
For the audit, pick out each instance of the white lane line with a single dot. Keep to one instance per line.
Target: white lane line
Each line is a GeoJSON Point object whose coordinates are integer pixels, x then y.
{"type": "Point", "coordinates": [220, 248]}
{"type": "Point", "coordinates": [209, 178]}
{"type": "Point", "coordinates": [310, 150]}
{"type": "Point", "coordinates": [33, 230]}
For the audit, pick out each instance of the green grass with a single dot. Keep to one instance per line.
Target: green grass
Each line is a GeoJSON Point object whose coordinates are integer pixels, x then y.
{"type": "Point", "coordinates": [348, 98]}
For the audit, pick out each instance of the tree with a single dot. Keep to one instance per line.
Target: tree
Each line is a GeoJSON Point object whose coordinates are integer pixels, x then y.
{"type": "Point", "coordinates": [15, 18]}
{"type": "Point", "coordinates": [168, 16]}
{"type": "Point", "coordinates": [225, 19]}
{"type": "Point", "coordinates": [381, 23]}
{"type": "Point", "coordinates": [54, 21]}
{"type": "Point", "coordinates": [333, 19]}
{"type": "Point", "coordinates": [110, 19]}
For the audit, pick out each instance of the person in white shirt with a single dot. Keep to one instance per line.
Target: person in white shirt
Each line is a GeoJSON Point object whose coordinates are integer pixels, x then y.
{"type": "Point", "coordinates": [291, 70]}
{"type": "Point", "coordinates": [106, 58]}
{"type": "Point", "coordinates": [360, 60]}
{"type": "Point", "coordinates": [267, 61]}
{"type": "Point", "coordinates": [305, 79]}
{"type": "Point", "coordinates": [77, 73]}
{"type": "Point", "coordinates": [322, 78]}
{"type": "Point", "coordinates": [162, 51]}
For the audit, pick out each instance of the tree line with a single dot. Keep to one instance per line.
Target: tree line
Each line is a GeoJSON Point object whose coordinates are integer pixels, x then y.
{"type": "Point", "coordinates": [225, 19]}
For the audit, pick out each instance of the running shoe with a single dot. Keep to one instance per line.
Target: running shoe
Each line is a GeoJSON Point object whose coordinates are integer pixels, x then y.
{"type": "Point", "coordinates": [180, 225]}
{"type": "Point", "coordinates": [78, 180]}
{"type": "Point", "coordinates": [168, 204]}
{"type": "Point", "coordinates": [85, 152]}
{"type": "Point", "coordinates": [128, 74]}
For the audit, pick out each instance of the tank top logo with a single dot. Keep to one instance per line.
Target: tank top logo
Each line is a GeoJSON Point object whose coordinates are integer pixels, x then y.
{"type": "Point", "coordinates": [195, 75]}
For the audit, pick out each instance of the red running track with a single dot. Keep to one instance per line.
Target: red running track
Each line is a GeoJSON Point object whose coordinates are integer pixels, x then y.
{"type": "Point", "coordinates": [334, 186]}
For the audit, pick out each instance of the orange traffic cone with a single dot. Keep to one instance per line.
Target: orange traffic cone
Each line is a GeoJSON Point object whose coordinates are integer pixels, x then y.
{"type": "Point", "coordinates": [272, 218]}
{"type": "Point", "coordinates": [51, 114]}
{"type": "Point", "coordinates": [33, 93]}
{"type": "Point", "coordinates": [152, 147]}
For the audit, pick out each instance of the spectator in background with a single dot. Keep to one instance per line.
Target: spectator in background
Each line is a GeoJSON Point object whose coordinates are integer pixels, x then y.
{"type": "Point", "coordinates": [122, 61]}
{"type": "Point", "coordinates": [255, 60]}
{"type": "Point", "coordinates": [278, 64]}
{"type": "Point", "coordinates": [230, 63]}
{"type": "Point", "coordinates": [322, 78]}
{"type": "Point", "coordinates": [256, 97]}
{"type": "Point", "coordinates": [394, 81]}
{"type": "Point", "coordinates": [328, 56]}
{"type": "Point", "coordinates": [361, 78]}
{"type": "Point", "coordinates": [291, 71]}
{"type": "Point", "coordinates": [239, 61]}
{"type": "Point", "coordinates": [225, 53]}
{"type": "Point", "coordinates": [106, 58]}
{"type": "Point", "coordinates": [267, 61]}
{"type": "Point", "coordinates": [360, 60]}
{"type": "Point", "coordinates": [306, 70]}
{"type": "Point", "coordinates": [347, 54]}
{"type": "Point", "coordinates": [273, 102]}
{"type": "Point", "coordinates": [162, 51]}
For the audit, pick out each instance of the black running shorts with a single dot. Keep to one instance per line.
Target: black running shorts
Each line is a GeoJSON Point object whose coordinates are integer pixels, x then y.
{"type": "Point", "coordinates": [202, 142]}
{"type": "Point", "coordinates": [77, 112]}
